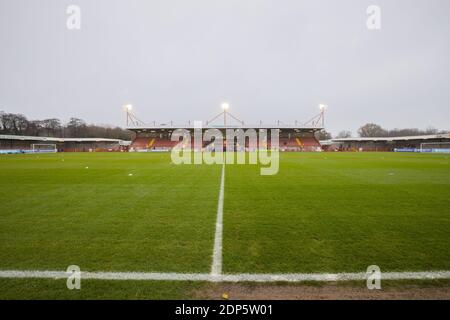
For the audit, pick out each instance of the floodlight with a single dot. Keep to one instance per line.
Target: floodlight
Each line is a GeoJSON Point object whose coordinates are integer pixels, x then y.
{"type": "Point", "coordinates": [128, 107]}
{"type": "Point", "coordinates": [322, 107]}
{"type": "Point", "coordinates": [225, 106]}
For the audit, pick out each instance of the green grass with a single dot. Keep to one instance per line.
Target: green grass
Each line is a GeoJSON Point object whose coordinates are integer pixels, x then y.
{"type": "Point", "coordinates": [323, 212]}
{"type": "Point", "coordinates": [56, 213]}
{"type": "Point", "coordinates": [335, 212]}
{"type": "Point", "coordinates": [38, 289]}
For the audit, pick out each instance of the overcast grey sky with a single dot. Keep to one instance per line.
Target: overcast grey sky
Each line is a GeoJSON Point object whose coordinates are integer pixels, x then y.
{"type": "Point", "coordinates": [271, 60]}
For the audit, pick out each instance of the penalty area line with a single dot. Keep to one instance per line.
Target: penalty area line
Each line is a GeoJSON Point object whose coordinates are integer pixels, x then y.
{"type": "Point", "coordinates": [208, 277]}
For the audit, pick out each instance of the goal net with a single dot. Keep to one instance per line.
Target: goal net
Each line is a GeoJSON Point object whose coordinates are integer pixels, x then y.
{"type": "Point", "coordinates": [437, 147]}
{"type": "Point", "coordinates": [43, 148]}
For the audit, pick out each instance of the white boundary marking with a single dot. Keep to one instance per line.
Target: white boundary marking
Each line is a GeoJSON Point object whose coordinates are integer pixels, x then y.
{"type": "Point", "coordinates": [288, 277]}
{"type": "Point", "coordinates": [216, 267]}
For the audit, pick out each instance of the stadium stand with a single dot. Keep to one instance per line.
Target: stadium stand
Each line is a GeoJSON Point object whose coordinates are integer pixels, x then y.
{"type": "Point", "coordinates": [24, 144]}
{"type": "Point", "coordinates": [299, 136]}
{"type": "Point", "coordinates": [159, 139]}
{"type": "Point", "coordinates": [163, 144]}
{"type": "Point", "coordinates": [297, 143]}
{"type": "Point", "coordinates": [148, 144]}
{"type": "Point", "coordinates": [397, 144]}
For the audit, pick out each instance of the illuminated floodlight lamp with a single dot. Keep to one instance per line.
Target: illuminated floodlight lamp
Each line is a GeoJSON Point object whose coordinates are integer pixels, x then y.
{"type": "Point", "coordinates": [322, 107]}
{"type": "Point", "coordinates": [225, 106]}
{"type": "Point", "coordinates": [128, 107]}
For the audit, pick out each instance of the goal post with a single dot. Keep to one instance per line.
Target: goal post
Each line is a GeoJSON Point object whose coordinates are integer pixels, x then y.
{"type": "Point", "coordinates": [44, 148]}
{"type": "Point", "coordinates": [435, 147]}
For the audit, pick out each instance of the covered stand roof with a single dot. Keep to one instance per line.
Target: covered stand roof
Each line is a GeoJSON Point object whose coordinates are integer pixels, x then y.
{"type": "Point", "coordinates": [55, 139]}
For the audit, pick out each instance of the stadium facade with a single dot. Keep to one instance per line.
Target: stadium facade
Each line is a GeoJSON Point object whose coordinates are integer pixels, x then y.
{"type": "Point", "coordinates": [295, 137]}
{"type": "Point", "coordinates": [423, 143]}
{"type": "Point", "coordinates": [291, 138]}
{"type": "Point", "coordinates": [25, 144]}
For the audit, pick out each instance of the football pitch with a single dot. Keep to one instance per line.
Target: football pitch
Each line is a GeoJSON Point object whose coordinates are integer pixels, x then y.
{"type": "Point", "coordinates": [137, 216]}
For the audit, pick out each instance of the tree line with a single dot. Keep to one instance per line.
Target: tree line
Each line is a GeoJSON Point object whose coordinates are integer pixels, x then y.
{"type": "Point", "coordinates": [371, 130]}
{"type": "Point", "coordinates": [375, 130]}
{"type": "Point", "coordinates": [18, 124]}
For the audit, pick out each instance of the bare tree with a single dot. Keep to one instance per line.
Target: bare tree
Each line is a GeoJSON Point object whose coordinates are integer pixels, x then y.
{"type": "Point", "coordinates": [372, 130]}
{"type": "Point", "coordinates": [2, 122]}
{"type": "Point", "coordinates": [323, 135]}
{"type": "Point", "coordinates": [76, 128]}
{"type": "Point", "coordinates": [34, 128]}
{"type": "Point", "coordinates": [344, 134]}
{"type": "Point", "coordinates": [52, 127]}
{"type": "Point", "coordinates": [13, 123]}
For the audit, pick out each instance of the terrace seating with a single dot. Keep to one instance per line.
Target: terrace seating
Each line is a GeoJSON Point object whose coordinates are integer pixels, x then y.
{"type": "Point", "coordinates": [299, 144]}
{"type": "Point", "coordinates": [151, 143]}
{"type": "Point", "coordinates": [285, 143]}
{"type": "Point", "coordinates": [163, 143]}
{"type": "Point", "coordinates": [308, 142]}
{"type": "Point", "coordinates": [140, 143]}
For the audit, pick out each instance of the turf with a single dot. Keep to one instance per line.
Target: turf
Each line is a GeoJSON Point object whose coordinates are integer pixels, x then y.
{"type": "Point", "coordinates": [323, 212]}
{"type": "Point", "coordinates": [37, 289]}
{"type": "Point", "coordinates": [57, 213]}
{"type": "Point", "coordinates": [336, 212]}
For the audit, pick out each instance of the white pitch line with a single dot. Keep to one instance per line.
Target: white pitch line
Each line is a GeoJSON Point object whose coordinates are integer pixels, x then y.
{"type": "Point", "coordinates": [288, 277]}
{"type": "Point", "coordinates": [216, 267]}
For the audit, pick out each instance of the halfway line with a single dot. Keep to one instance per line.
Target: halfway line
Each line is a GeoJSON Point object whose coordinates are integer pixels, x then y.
{"type": "Point", "coordinates": [216, 268]}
